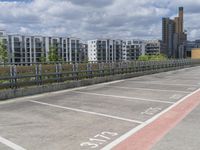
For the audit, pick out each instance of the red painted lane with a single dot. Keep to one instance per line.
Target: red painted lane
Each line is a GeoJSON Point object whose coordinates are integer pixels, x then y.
{"type": "Point", "coordinates": [148, 136]}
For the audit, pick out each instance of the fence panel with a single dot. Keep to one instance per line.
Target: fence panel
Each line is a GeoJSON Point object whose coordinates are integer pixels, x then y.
{"type": "Point", "coordinates": [12, 76]}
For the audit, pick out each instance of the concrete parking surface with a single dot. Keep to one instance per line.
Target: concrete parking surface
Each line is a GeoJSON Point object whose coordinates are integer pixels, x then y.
{"type": "Point", "coordinates": [97, 116]}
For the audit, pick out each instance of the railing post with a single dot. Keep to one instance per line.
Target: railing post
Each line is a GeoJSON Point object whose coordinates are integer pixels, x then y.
{"type": "Point", "coordinates": [99, 70]}
{"type": "Point", "coordinates": [111, 68]}
{"type": "Point", "coordinates": [119, 67]}
{"type": "Point", "coordinates": [103, 68]}
{"type": "Point", "coordinates": [38, 74]}
{"type": "Point", "coordinates": [75, 71]}
{"type": "Point", "coordinates": [89, 70]}
{"type": "Point", "coordinates": [58, 72]}
{"type": "Point", "coordinates": [13, 75]}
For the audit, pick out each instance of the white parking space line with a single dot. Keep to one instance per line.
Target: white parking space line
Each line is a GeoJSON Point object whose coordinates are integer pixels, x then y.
{"type": "Point", "coordinates": [192, 88]}
{"type": "Point", "coordinates": [176, 96]}
{"type": "Point", "coordinates": [184, 78]}
{"type": "Point", "coordinates": [21, 99]}
{"type": "Point", "coordinates": [88, 112]}
{"type": "Point", "coordinates": [161, 83]}
{"type": "Point", "coordinates": [136, 129]}
{"type": "Point", "coordinates": [125, 97]}
{"type": "Point", "coordinates": [106, 83]}
{"type": "Point", "coordinates": [10, 144]}
{"type": "Point", "coordinates": [148, 89]}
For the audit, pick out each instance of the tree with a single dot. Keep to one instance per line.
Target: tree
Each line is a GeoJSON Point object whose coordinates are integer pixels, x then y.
{"type": "Point", "coordinates": [158, 57]}
{"type": "Point", "coordinates": [3, 53]}
{"type": "Point", "coordinates": [43, 59]}
{"type": "Point", "coordinates": [53, 54]}
{"type": "Point", "coordinates": [143, 58]}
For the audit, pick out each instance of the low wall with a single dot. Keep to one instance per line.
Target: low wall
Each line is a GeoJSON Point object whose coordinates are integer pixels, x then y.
{"type": "Point", "coordinates": [32, 90]}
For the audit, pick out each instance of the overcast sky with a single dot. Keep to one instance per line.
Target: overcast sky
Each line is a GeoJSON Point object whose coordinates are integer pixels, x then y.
{"type": "Point", "coordinates": [88, 19]}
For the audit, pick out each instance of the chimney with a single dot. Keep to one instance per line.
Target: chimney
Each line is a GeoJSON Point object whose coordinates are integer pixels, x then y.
{"type": "Point", "coordinates": [181, 13]}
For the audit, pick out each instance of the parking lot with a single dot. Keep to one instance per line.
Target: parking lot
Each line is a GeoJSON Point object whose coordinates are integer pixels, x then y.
{"type": "Point", "coordinates": [92, 117]}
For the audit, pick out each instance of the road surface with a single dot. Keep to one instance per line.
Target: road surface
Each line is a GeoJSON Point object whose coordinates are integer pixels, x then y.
{"type": "Point", "coordinates": [159, 112]}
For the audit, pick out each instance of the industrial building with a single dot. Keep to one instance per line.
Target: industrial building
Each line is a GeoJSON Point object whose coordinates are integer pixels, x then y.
{"type": "Point", "coordinates": [196, 53]}
{"type": "Point", "coordinates": [174, 36]}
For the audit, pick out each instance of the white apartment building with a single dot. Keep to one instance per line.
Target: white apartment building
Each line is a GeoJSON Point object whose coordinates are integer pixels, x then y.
{"type": "Point", "coordinates": [30, 49]}
{"type": "Point", "coordinates": [105, 50]}
{"type": "Point", "coordinates": [132, 49]}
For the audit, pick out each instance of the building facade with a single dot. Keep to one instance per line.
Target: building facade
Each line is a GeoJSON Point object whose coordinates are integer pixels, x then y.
{"type": "Point", "coordinates": [105, 50]}
{"type": "Point", "coordinates": [191, 45]}
{"type": "Point", "coordinates": [153, 47]}
{"type": "Point", "coordinates": [30, 49]}
{"type": "Point", "coordinates": [173, 35]}
{"type": "Point", "coordinates": [132, 49]}
{"type": "Point", "coordinates": [195, 53]}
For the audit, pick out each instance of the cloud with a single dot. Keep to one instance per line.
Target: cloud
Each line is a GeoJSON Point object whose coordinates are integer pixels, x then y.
{"type": "Point", "coordinates": [92, 3]}
{"type": "Point", "coordinates": [90, 19]}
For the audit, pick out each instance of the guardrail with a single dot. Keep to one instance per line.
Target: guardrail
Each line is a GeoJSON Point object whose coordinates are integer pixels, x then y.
{"type": "Point", "coordinates": [14, 76]}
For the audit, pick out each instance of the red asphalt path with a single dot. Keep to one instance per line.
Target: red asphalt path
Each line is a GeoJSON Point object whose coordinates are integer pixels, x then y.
{"type": "Point", "coordinates": [147, 137]}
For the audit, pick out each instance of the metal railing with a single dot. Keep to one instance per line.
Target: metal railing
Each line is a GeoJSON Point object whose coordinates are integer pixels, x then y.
{"type": "Point", "coordinates": [14, 76]}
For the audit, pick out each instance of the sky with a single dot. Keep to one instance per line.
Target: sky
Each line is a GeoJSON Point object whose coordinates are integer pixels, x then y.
{"type": "Point", "coordinates": [91, 19]}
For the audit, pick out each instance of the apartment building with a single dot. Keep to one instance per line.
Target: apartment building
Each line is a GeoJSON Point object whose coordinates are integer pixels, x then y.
{"type": "Point", "coordinates": [153, 47]}
{"type": "Point", "coordinates": [132, 49]}
{"type": "Point", "coordinates": [105, 50]}
{"type": "Point", "coordinates": [83, 52]}
{"type": "Point", "coordinates": [30, 49]}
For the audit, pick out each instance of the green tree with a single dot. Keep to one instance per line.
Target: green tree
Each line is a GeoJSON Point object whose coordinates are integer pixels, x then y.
{"type": "Point", "coordinates": [143, 58]}
{"type": "Point", "coordinates": [158, 57]}
{"type": "Point", "coordinates": [3, 53]}
{"type": "Point", "coordinates": [53, 54]}
{"type": "Point", "coordinates": [43, 59]}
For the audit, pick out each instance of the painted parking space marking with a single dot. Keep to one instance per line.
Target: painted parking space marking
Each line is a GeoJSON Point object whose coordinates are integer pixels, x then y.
{"type": "Point", "coordinates": [125, 97]}
{"type": "Point", "coordinates": [99, 139]}
{"type": "Point", "coordinates": [162, 83]}
{"type": "Point", "coordinates": [176, 96]}
{"type": "Point", "coordinates": [148, 89]}
{"type": "Point", "coordinates": [88, 112]}
{"type": "Point", "coordinates": [149, 131]}
{"type": "Point", "coordinates": [151, 111]}
{"type": "Point", "coordinates": [191, 88]}
{"type": "Point", "coordinates": [10, 144]}
{"type": "Point", "coordinates": [21, 99]}
{"type": "Point", "coordinates": [184, 78]}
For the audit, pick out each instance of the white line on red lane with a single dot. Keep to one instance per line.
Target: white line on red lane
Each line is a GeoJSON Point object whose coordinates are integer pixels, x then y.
{"type": "Point", "coordinates": [125, 97]}
{"type": "Point", "coordinates": [88, 112]}
{"type": "Point", "coordinates": [150, 121]}
{"type": "Point", "coordinates": [148, 89]}
{"type": "Point", "coordinates": [10, 144]}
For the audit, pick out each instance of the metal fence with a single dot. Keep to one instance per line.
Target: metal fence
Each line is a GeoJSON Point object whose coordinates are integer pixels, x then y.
{"type": "Point", "coordinates": [14, 76]}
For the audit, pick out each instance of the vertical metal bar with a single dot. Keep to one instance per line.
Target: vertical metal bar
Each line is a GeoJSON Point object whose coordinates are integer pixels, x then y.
{"type": "Point", "coordinates": [15, 76]}
{"type": "Point", "coordinates": [40, 73]}
{"type": "Point", "coordinates": [77, 72]}
{"type": "Point", "coordinates": [88, 70]}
